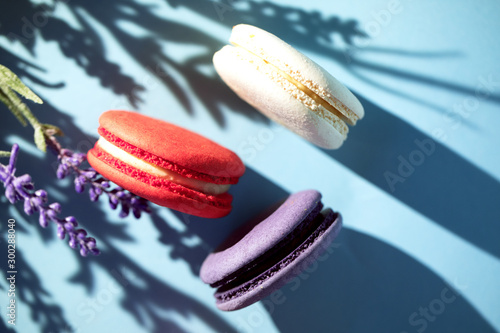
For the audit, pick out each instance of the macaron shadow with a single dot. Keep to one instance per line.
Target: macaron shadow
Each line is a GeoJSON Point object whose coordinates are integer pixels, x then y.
{"type": "Point", "coordinates": [362, 284]}
{"type": "Point", "coordinates": [425, 175]}
{"type": "Point", "coordinates": [359, 284]}
{"type": "Point", "coordinates": [253, 196]}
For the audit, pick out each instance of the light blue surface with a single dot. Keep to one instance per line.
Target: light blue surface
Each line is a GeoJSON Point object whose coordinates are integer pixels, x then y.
{"type": "Point", "coordinates": [428, 242]}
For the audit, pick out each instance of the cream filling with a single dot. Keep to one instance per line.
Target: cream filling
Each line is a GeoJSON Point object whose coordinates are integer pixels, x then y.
{"type": "Point", "coordinates": [317, 98]}
{"type": "Point", "coordinates": [195, 184]}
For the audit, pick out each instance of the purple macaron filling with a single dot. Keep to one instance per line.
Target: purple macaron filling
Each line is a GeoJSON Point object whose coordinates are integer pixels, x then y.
{"type": "Point", "coordinates": [288, 243]}
{"type": "Point", "coordinates": [276, 259]}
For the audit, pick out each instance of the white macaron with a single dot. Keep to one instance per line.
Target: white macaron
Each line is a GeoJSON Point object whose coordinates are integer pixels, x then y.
{"type": "Point", "coordinates": [287, 86]}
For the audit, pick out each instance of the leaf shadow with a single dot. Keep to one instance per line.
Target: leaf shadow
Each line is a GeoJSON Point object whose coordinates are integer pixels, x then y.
{"type": "Point", "coordinates": [314, 32]}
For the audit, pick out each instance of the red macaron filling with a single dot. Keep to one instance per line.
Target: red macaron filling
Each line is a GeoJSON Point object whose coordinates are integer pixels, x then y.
{"type": "Point", "coordinates": [163, 163]}
{"type": "Point", "coordinates": [221, 200]}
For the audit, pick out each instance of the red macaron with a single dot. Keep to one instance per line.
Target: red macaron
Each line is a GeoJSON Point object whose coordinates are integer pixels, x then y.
{"type": "Point", "coordinates": [166, 164]}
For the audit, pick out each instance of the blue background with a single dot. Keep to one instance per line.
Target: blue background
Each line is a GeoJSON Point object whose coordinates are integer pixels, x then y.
{"type": "Point", "coordinates": [419, 255]}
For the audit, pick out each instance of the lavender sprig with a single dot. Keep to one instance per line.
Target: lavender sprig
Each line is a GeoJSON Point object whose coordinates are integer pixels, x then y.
{"type": "Point", "coordinates": [21, 189]}
{"type": "Point", "coordinates": [70, 162]}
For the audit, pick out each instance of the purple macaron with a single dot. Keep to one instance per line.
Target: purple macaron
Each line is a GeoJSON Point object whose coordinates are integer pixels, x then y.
{"type": "Point", "coordinates": [264, 254]}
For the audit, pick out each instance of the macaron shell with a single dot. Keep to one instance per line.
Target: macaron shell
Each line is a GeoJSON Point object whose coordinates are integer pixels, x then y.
{"type": "Point", "coordinates": [244, 245]}
{"type": "Point", "coordinates": [271, 99]}
{"type": "Point", "coordinates": [160, 196]}
{"type": "Point", "coordinates": [284, 56]}
{"type": "Point", "coordinates": [288, 269]}
{"type": "Point", "coordinates": [173, 143]}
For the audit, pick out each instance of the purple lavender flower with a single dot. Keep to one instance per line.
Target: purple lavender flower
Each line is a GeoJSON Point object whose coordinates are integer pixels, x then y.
{"type": "Point", "coordinates": [70, 162]}
{"type": "Point", "coordinates": [21, 189]}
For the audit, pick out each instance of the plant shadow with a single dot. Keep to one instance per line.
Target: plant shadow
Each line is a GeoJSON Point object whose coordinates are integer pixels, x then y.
{"type": "Point", "coordinates": [86, 48]}
{"type": "Point", "coordinates": [307, 30]}
{"type": "Point", "coordinates": [314, 32]}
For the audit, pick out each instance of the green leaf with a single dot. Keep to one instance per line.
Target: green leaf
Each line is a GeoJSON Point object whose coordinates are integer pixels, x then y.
{"type": "Point", "coordinates": [12, 107]}
{"type": "Point", "coordinates": [20, 107]}
{"type": "Point", "coordinates": [8, 78]}
{"type": "Point", "coordinates": [9, 85]}
{"type": "Point", "coordinates": [4, 153]}
{"type": "Point", "coordinates": [40, 139]}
